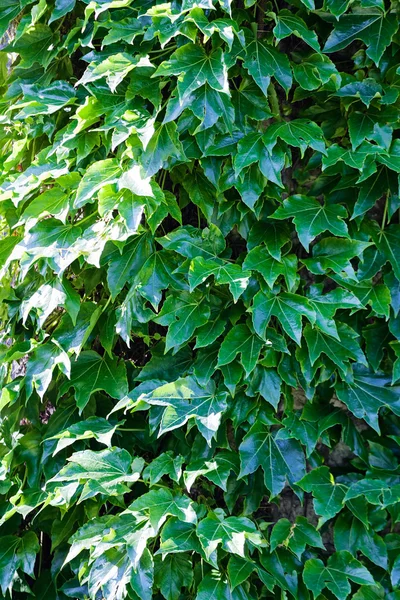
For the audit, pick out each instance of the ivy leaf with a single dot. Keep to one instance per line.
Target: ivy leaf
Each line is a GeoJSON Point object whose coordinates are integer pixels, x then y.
{"type": "Point", "coordinates": [104, 472]}
{"type": "Point", "coordinates": [40, 367]}
{"type": "Point", "coordinates": [338, 351]}
{"type": "Point", "coordinates": [160, 503]}
{"type": "Point", "coordinates": [341, 568]}
{"type": "Point", "coordinates": [33, 46]}
{"type": "Point", "coordinates": [240, 340]}
{"type": "Point", "coordinates": [114, 68]}
{"type": "Point", "coordinates": [196, 68]}
{"type": "Point", "coordinates": [224, 273]}
{"type": "Point", "coordinates": [280, 457]}
{"type": "Point", "coordinates": [172, 574]}
{"type": "Point", "coordinates": [217, 471]}
{"type": "Point", "coordinates": [249, 150]}
{"type": "Point", "coordinates": [335, 254]}
{"type": "Point", "coordinates": [367, 394]}
{"type": "Point", "coordinates": [314, 71]}
{"type": "Point", "coordinates": [311, 218]}
{"type": "Point", "coordinates": [298, 132]}
{"type": "Point", "coordinates": [326, 305]}
{"type": "Point", "coordinates": [209, 105]}
{"type": "Point", "coordinates": [143, 577]}
{"type": "Point", "coordinates": [215, 587]}
{"type": "Point", "coordinates": [185, 399]}
{"type": "Point", "coordinates": [375, 491]}
{"type": "Point", "coordinates": [232, 533]}
{"type": "Point", "coordinates": [183, 313]}
{"type": "Point", "coordinates": [295, 536]}
{"type": "Point", "coordinates": [288, 308]}
{"type": "Point", "coordinates": [258, 259]}
{"type": "Point", "coordinates": [388, 243]}
{"type": "Point", "coordinates": [8, 12]}
{"type": "Point", "coordinates": [165, 464]}
{"type": "Point", "coordinates": [51, 202]}
{"type": "Point", "coordinates": [93, 428]}
{"type": "Point", "coordinates": [178, 536]}
{"type": "Point", "coordinates": [163, 145]}
{"type": "Point", "coordinates": [374, 29]}
{"type": "Point", "coordinates": [289, 24]}
{"type": "Point", "coordinates": [263, 62]}
{"type": "Point", "coordinates": [124, 266]}
{"type": "Point", "coordinates": [191, 242]}
{"type": "Point", "coordinates": [19, 553]}
{"type": "Point", "coordinates": [239, 569]}
{"type": "Point", "coordinates": [96, 177]}
{"type": "Point", "coordinates": [328, 495]}
{"type": "Point", "coordinates": [353, 536]}
{"type": "Point", "coordinates": [91, 372]}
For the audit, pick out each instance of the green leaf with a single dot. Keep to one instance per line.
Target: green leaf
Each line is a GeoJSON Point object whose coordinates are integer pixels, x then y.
{"type": "Point", "coordinates": [40, 367]}
{"type": "Point", "coordinates": [9, 10]}
{"type": "Point", "coordinates": [288, 308]}
{"type": "Point", "coordinates": [93, 428]}
{"type": "Point", "coordinates": [239, 569]}
{"type": "Point", "coordinates": [326, 305]}
{"type": "Point", "coordinates": [196, 68]}
{"type": "Point", "coordinates": [183, 313]}
{"type": "Point", "coordinates": [142, 578]}
{"type": "Point", "coordinates": [328, 495]}
{"type": "Point", "coordinates": [280, 457]}
{"type": "Point", "coordinates": [172, 574]}
{"type": "Point", "coordinates": [335, 254]}
{"type": "Point", "coordinates": [259, 260]}
{"type": "Point", "coordinates": [388, 243]}
{"type": "Point", "coordinates": [311, 218]}
{"type": "Point", "coordinates": [163, 145]}
{"type": "Point", "coordinates": [240, 340]}
{"type": "Point", "coordinates": [105, 472]}
{"type": "Point", "coordinates": [341, 568]}
{"type": "Point", "coordinates": [263, 62]}
{"type": "Point", "coordinates": [315, 71]}
{"type": "Point", "coordinates": [123, 267]}
{"type": "Point", "coordinates": [375, 29]}
{"type": "Point", "coordinates": [224, 273]}
{"type": "Point", "coordinates": [367, 394]}
{"type": "Point", "coordinates": [289, 24]}
{"type": "Point", "coordinates": [339, 351]}
{"type": "Point", "coordinates": [95, 178]}
{"type": "Point", "coordinates": [217, 470]}
{"type": "Point", "coordinates": [165, 464]}
{"type": "Point", "coordinates": [351, 535]}
{"type": "Point", "coordinates": [91, 372]}
{"type": "Point", "coordinates": [192, 242]}
{"type": "Point", "coordinates": [178, 536]}
{"type": "Point", "coordinates": [160, 503]}
{"type": "Point", "coordinates": [298, 132]}
{"type": "Point", "coordinates": [249, 149]}
{"type": "Point", "coordinates": [17, 553]}
{"type": "Point", "coordinates": [215, 587]}
{"type": "Point", "coordinates": [375, 491]}
{"type": "Point", "coordinates": [232, 533]}
{"type": "Point", "coordinates": [33, 46]}
{"type": "Point", "coordinates": [295, 536]}
{"type": "Point", "coordinates": [114, 68]}
{"type": "Point", "coordinates": [185, 399]}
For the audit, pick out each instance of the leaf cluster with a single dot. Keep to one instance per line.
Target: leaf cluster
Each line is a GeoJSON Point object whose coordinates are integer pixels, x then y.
{"type": "Point", "coordinates": [200, 299]}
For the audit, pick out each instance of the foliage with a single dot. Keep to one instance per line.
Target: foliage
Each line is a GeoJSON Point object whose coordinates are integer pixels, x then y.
{"type": "Point", "coordinates": [200, 300]}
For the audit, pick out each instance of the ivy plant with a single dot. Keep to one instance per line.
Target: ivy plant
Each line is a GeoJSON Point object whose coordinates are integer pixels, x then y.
{"type": "Point", "coordinates": [200, 299]}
